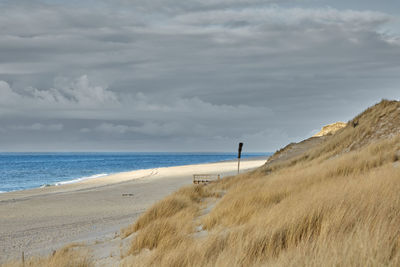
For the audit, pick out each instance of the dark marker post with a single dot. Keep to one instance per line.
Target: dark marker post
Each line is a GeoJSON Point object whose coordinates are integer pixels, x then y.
{"type": "Point", "coordinates": [239, 154]}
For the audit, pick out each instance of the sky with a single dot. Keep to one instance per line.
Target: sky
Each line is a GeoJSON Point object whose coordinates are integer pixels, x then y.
{"type": "Point", "coordinates": [193, 75]}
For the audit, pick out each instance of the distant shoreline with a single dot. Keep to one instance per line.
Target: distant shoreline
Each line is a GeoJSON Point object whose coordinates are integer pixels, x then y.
{"type": "Point", "coordinates": [77, 179]}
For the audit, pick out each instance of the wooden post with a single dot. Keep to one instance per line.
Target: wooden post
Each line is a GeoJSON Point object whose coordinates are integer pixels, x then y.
{"type": "Point", "coordinates": [23, 259]}
{"type": "Point", "coordinates": [239, 154]}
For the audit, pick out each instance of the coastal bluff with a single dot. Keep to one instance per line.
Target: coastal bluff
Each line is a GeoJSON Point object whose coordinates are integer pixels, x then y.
{"type": "Point", "coordinates": [331, 129]}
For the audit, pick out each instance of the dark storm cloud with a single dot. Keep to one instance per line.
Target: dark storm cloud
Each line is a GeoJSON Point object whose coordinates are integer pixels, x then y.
{"type": "Point", "coordinates": [192, 75]}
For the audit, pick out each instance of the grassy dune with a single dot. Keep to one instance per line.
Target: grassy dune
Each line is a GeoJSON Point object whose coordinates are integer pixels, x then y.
{"type": "Point", "coordinates": [335, 205]}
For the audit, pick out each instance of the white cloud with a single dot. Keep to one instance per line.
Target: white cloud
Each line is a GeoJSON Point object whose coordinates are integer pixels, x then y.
{"type": "Point", "coordinates": [78, 94]}
{"type": "Point", "coordinates": [6, 93]}
{"type": "Point", "coordinates": [79, 91]}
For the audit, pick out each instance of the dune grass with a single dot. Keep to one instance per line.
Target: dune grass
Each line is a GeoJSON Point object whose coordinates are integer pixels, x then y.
{"type": "Point", "coordinates": [186, 202]}
{"type": "Point", "coordinates": [336, 205]}
{"type": "Point", "coordinates": [345, 211]}
{"type": "Point", "coordinates": [381, 121]}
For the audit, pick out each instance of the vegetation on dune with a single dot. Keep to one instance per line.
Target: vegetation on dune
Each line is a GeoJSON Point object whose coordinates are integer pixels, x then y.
{"type": "Point", "coordinates": [381, 121]}
{"type": "Point", "coordinates": [337, 204]}
{"type": "Point", "coordinates": [166, 223]}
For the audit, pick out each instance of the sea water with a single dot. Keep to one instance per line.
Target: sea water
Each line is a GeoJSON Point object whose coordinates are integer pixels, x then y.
{"type": "Point", "coordinates": [19, 171]}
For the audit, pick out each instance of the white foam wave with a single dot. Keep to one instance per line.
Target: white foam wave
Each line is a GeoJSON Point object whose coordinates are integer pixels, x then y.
{"type": "Point", "coordinates": [81, 179]}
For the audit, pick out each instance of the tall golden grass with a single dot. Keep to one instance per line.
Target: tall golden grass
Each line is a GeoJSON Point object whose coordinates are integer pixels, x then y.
{"type": "Point", "coordinates": [166, 222]}
{"type": "Point", "coordinates": [336, 205]}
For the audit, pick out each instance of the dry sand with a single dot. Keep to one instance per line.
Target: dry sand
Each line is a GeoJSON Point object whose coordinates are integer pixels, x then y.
{"type": "Point", "coordinates": [40, 220]}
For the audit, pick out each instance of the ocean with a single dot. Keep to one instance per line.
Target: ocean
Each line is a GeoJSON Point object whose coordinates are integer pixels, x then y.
{"type": "Point", "coordinates": [19, 171]}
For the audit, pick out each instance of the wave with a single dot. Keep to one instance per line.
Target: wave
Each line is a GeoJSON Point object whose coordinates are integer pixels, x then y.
{"type": "Point", "coordinates": [79, 179]}
{"type": "Point", "coordinates": [61, 183]}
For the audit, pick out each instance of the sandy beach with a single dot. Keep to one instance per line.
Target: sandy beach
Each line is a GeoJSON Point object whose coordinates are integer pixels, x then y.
{"type": "Point", "coordinates": [40, 220]}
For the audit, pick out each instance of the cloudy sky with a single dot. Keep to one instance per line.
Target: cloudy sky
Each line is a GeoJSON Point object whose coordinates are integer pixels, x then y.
{"type": "Point", "coordinates": [193, 75]}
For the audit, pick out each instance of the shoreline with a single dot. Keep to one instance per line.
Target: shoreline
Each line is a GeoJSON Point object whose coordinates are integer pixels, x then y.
{"type": "Point", "coordinates": [105, 175]}
{"type": "Point", "coordinates": [40, 220]}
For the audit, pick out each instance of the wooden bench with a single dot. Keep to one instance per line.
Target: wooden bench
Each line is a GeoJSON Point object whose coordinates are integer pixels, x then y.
{"type": "Point", "coordinates": [205, 178]}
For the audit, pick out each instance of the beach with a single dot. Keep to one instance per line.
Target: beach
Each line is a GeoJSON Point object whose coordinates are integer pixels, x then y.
{"type": "Point", "coordinates": [38, 221]}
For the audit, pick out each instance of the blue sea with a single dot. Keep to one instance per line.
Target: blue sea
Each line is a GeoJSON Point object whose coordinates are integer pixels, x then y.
{"type": "Point", "coordinates": [19, 171]}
